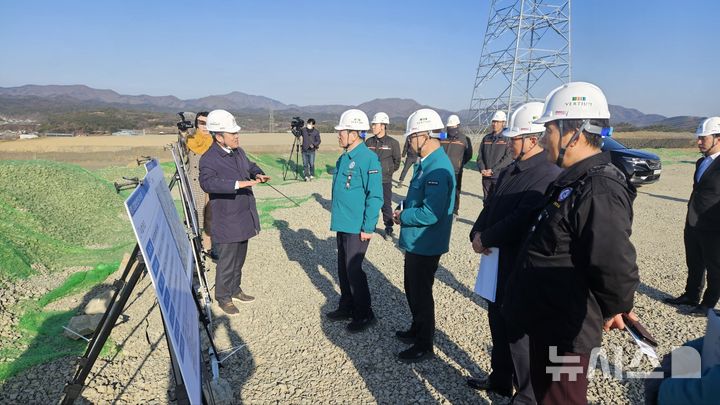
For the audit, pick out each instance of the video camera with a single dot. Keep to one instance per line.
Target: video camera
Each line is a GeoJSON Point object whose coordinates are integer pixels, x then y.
{"type": "Point", "coordinates": [187, 121]}
{"type": "Point", "coordinates": [296, 126]}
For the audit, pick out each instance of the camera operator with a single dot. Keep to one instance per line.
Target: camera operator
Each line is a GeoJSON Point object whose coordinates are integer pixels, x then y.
{"type": "Point", "coordinates": [228, 176]}
{"type": "Point", "coordinates": [310, 143]}
{"type": "Point", "coordinates": [197, 144]}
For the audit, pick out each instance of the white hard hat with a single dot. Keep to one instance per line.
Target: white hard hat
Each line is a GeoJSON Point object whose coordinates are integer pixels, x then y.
{"type": "Point", "coordinates": [453, 121]}
{"type": "Point", "coordinates": [354, 120]}
{"type": "Point", "coordinates": [221, 121]}
{"type": "Point", "coordinates": [424, 120]}
{"type": "Point", "coordinates": [499, 116]}
{"type": "Point", "coordinates": [522, 120]}
{"type": "Point", "coordinates": [380, 118]}
{"type": "Point", "coordinates": [575, 100]}
{"type": "Point", "coordinates": [708, 126]}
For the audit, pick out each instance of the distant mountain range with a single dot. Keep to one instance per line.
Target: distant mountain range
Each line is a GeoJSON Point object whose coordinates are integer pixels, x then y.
{"type": "Point", "coordinates": [30, 99]}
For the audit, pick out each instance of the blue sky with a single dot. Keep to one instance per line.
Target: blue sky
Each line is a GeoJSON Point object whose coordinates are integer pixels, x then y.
{"type": "Point", "coordinates": [657, 56]}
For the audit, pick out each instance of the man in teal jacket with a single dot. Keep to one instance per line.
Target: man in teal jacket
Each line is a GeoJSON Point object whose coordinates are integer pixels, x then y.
{"type": "Point", "coordinates": [357, 196]}
{"type": "Point", "coordinates": [425, 219]}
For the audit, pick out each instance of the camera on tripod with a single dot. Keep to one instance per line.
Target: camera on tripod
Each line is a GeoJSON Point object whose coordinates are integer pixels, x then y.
{"type": "Point", "coordinates": [187, 121]}
{"type": "Point", "coordinates": [296, 126]}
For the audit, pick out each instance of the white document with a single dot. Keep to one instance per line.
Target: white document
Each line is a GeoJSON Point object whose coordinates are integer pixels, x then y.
{"type": "Point", "coordinates": [486, 283]}
{"type": "Point", "coordinates": [711, 343]}
{"type": "Point", "coordinates": [644, 347]}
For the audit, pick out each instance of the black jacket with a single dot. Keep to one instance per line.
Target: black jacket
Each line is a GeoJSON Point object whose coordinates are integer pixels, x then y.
{"type": "Point", "coordinates": [704, 205]}
{"type": "Point", "coordinates": [577, 266]}
{"type": "Point", "coordinates": [235, 217]}
{"type": "Point", "coordinates": [494, 153]}
{"type": "Point", "coordinates": [388, 152]}
{"type": "Point", "coordinates": [508, 213]}
{"type": "Point", "coordinates": [458, 148]}
{"type": "Point", "coordinates": [310, 139]}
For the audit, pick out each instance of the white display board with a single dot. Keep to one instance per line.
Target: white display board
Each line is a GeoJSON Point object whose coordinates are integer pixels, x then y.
{"type": "Point", "coordinates": [168, 256]}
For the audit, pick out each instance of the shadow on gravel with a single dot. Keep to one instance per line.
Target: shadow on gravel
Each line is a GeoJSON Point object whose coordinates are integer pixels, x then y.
{"type": "Point", "coordinates": [665, 197]}
{"type": "Point", "coordinates": [373, 352]}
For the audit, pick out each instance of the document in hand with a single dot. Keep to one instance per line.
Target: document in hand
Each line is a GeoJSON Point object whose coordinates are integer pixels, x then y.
{"type": "Point", "coordinates": [486, 283]}
{"type": "Point", "coordinates": [711, 343]}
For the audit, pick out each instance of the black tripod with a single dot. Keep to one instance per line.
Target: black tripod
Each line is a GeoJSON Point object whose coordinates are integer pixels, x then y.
{"type": "Point", "coordinates": [294, 148]}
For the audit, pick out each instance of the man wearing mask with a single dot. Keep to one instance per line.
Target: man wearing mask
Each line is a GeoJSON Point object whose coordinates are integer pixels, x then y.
{"type": "Point", "coordinates": [493, 154]}
{"type": "Point", "coordinates": [310, 144]}
{"type": "Point", "coordinates": [459, 149]}
{"type": "Point", "coordinates": [576, 273]}
{"type": "Point", "coordinates": [228, 176]}
{"type": "Point", "coordinates": [702, 225]}
{"type": "Point", "coordinates": [356, 201]}
{"type": "Point", "coordinates": [502, 223]}
{"type": "Point", "coordinates": [388, 151]}
{"type": "Point", "coordinates": [425, 219]}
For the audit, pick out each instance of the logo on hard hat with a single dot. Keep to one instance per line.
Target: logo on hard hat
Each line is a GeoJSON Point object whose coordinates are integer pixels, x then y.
{"type": "Point", "coordinates": [579, 98]}
{"type": "Point", "coordinates": [579, 101]}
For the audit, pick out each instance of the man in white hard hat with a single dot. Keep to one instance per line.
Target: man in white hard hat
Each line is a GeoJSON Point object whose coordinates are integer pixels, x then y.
{"type": "Point", "coordinates": [388, 151]}
{"type": "Point", "coordinates": [356, 201]}
{"type": "Point", "coordinates": [228, 176]}
{"type": "Point", "coordinates": [459, 149]}
{"type": "Point", "coordinates": [502, 224]}
{"type": "Point", "coordinates": [494, 153]}
{"type": "Point", "coordinates": [425, 219]}
{"type": "Point", "coordinates": [576, 273]}
{"type": "Point", "coordinates": [702, 225]}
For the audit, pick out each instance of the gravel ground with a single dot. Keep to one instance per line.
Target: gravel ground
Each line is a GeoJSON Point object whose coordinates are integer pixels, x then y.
{"type": "Point", "coordinates": [293, 355]}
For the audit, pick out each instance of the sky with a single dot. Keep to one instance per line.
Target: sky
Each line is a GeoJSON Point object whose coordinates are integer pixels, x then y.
{"type": "Point", "coordinates": [656, 56]}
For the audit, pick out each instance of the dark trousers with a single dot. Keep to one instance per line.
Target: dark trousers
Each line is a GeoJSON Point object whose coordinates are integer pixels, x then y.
{"type": "Point", "coordinates": [231, 258]}
{"type": "Point", "coordinates": [570, 386]}
{"type": "Point", "coordinates": [419, 278]}
{"type": "Point", "coordinates": [409, 162]}
{"type": "Point", "coordinates": [702, 255]}
{"type": "Point", "coordinates": [487, 183]}
{"type": "Point", "coordinates": [354, 290]}
{"type": "Point", "coordinates": [458, 188]}
{"type": "Point", "coordinates": [510, 357]}
{"type": "Point", "coordinates": [308, 158]}
{"type": "Point", "coordinates": [387, 205]}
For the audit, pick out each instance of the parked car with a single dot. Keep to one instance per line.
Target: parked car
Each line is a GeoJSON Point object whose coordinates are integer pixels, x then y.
{"type": "Point", "coordinates": [639, 166]}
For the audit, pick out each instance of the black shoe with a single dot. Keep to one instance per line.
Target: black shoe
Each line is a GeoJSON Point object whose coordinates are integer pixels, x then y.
{"type": "Point", "coordinates": [682, 300]}
{"type": "Point", "coordinates": [699, 311]}
{"type": "Point", "coordinates": [388, 233]}
{"type": "Point", "coordinates": [359, 325]}
{"type": "Point", "coordinates": [339, 315]}
{"type": "Point", "coordinates": [406, 336]}
{"type": "Point", "coordinates": [415, 354]}
{"type": "Point", "coordinates": [483, 384]}
{"type": "Point", "coordinates": [243, 298]}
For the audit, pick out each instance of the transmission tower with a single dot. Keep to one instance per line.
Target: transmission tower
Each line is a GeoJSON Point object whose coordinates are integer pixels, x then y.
{"type": "Point", "coordinates": [525, 54]}
{"type": "Point", "coordinates": [271, 121]}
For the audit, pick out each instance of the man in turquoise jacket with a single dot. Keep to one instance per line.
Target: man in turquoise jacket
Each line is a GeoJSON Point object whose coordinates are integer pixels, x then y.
{"type": "Point", "coordinates": [357, 196]}
{"type": "Point", "coordinates": [425, 219]}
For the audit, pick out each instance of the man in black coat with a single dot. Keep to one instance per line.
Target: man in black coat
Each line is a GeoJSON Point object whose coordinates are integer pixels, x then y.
{"type": "Point", "coordinates": [411, 158]}
{"type": "Point", "coordinates": [576, 272]}
{"type": "Point", "coordinates": [228, 176]}
{"type": "Point", "coordinates": [310, 144]}
{"type": "Point", "coordinates": [458, 147]}
{"type": "Point", "coordinates": [493, 154]}
{"type": "Point", "coordinates": [702, 225]}
{"type": "Point", "coordinates": [388, 152]}
{"type": "Point", "coordinates": [504, 220]}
